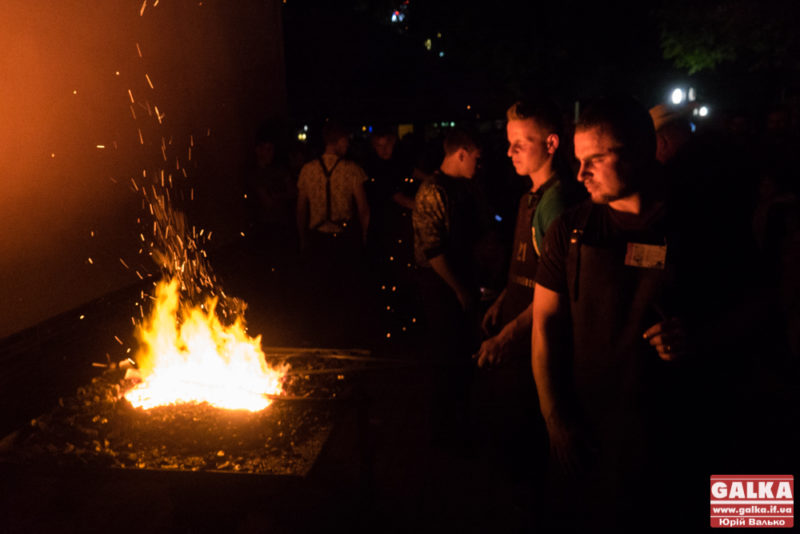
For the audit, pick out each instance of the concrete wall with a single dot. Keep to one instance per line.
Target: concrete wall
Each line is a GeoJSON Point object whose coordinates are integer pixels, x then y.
{"type": "Point", "coordinates": [217, 70]}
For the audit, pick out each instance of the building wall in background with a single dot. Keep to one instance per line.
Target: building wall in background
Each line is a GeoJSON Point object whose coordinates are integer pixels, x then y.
{"type": "Point", "coordinates": [217, 70]}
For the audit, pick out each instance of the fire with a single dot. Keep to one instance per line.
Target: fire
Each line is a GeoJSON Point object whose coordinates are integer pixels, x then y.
{"type": "Point", "coordinates": [188, 355]}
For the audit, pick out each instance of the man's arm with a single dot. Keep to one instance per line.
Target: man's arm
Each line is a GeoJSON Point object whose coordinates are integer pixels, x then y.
{"type": "Point", "coordinates": [401, 199]}
{"type": "Point", "coordinates": [490, 317]}
{"type": "Point", "coordinates": [550, 323]}
{"type": "Point", "coordinates": [550, 327]}
{"type": "Point", "coordinates": [442, 268]}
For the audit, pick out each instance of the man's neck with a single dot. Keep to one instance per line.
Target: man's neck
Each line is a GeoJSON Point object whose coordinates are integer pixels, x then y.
{"type": "Point", "coordinates": [634, 204]}
{"type": "Point", "coordinates": [540, 177]}
{"type": "Point", "coordinates": [450, 168]}
{"type": "Point", "coordinates": [331, 151]}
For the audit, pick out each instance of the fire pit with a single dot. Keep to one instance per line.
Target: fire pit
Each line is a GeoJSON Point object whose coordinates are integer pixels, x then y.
{"type": "Point", "coordinates": [98, 428]}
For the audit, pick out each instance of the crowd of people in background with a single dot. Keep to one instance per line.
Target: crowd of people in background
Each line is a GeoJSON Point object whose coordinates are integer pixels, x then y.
{"type": "Point", "coordinates": [594, 291]}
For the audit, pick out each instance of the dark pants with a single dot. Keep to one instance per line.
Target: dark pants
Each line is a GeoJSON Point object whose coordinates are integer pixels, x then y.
{"type": "Point", "coordinates": [450, 342]}
{"type": "Point", "coordinates": [334, 272]}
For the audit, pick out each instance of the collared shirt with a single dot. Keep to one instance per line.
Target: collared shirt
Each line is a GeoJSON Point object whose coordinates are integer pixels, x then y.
{"type": "Point", "coordinates": [345, 178]}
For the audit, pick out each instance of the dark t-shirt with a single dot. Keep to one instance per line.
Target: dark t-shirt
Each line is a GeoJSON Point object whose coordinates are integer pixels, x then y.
{"type": "Point", "coordinates": [603, 228]}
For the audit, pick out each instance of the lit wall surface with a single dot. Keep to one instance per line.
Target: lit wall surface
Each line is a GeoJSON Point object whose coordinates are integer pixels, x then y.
{"type": "Point", "coordinates": [79, 84]}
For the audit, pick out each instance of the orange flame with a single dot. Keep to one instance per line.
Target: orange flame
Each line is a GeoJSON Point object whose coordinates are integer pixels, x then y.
{"type": "Point", "coordinates": [195, 358]}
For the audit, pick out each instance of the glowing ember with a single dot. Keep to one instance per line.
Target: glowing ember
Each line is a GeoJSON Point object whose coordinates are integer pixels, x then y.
{"type": "Point", "coordinates": [188, 355]}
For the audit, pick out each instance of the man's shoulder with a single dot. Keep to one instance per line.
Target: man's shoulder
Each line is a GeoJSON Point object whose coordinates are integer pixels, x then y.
{"type": "Point", "coordinates": [554, 201]}
{"type": "Point", "coordinates": [349, 164]}
{"type": "Point", "coordinates": [310, 167]}
{"type": "Point", "coordinates": [576, 216]}
{"type": "Point", "coordinates": [556, 193]}
{"type": "Point", "coordinates": [430, 187]}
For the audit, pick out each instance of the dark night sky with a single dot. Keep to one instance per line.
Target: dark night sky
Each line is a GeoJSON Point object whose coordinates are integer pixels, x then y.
{"type": "Point", "coordinates": [348, 58]}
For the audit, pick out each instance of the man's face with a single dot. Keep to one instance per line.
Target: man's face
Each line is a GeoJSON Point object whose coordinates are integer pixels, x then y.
{"type": "Point", "coordinates": [384, 145]}
{"type": "Point", "coordinates": [527, 146]}
{"type": "Point", "coordinates": [341, 146]}
{"type": "Point", "coordinates": [606, 176]}
{"type": "Point", "coordinates": [265, 153]}
{"type": "Point", "coordinates": [469, 161]}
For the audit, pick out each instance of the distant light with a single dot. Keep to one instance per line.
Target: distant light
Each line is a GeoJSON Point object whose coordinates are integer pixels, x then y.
{"type": "Point", "coordinates": [75, 92]}
{"type": "Point", "coordinates": [678, 96]}
{"type": "Point", "coordinates": [703, 111]}
{"type": "Point", "coordinates": [452, 124]}
{"type": "Point", "coordinates": [369, 129]}
{"type": "Point", "coordinates": [101, 146]}
{"type": "Point", "coordinates": [363, 128]}
{"type": "Point", "coordinates": [441, 54]}
{"type": "Point", "coordinates": [443, 124]}
{"type": "Point", "coordinates": [302, 136]}
{"type": "Point", "coordinates": [469, 107]}
{"type": "Point", "coordinates": [428, 44]}
{"type": "Point", "coordinates": [691, 95]}
{"type": "Point", "coordinates": [305, 127]}
{"type": "Point", "coordinates": [438, 35]}
{"type": "Point", "coordinates": [693, 127]}
{"type": "Point", "coordinates": [498, 218]}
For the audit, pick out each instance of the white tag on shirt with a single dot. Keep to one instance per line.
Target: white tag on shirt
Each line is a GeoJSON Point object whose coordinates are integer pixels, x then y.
{"type": "Point", "coordinates": [646, 256]}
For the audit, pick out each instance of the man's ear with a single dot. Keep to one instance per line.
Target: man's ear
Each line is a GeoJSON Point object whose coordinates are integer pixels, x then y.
{"type": "Point", "coordinates": [462, 153]}
{"type": "Point", "coordinates": [552, 142]}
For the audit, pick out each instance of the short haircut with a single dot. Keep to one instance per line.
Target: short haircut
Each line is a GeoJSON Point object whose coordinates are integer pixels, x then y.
{"type": "Point", "coordinates": [267, 133]}
{"type": "Point", "coordinates": [458, 138]}
{"type": "Point", "coordinates": [384, 130]}
{"type": "Point", "coordinates": [332, 131]}
{"type": "Point", "coordinates": [625, 119]}
{"type": "Point", "coordinates": [541, 109]}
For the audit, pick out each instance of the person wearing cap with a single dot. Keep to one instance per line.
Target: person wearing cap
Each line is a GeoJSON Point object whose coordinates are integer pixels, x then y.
{"type": "Point", "coordinates": [673, 130]}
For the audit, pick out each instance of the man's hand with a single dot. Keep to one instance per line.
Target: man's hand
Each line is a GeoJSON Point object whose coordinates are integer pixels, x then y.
{"type": "Point", "coordinates": [492, 315]}
{"type": "Point", "coordinates": [495, 350]}
{"type": "Point", "coordinates": [669, 338]}
{"type": "Point", "coordinates": [569, 447]}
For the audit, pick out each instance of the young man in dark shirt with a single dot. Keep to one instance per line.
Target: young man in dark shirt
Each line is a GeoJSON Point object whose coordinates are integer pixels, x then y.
{"type": "Point", "coordinates": [534, 135]}
{"type": "Point", "coordinates": [603, 342]}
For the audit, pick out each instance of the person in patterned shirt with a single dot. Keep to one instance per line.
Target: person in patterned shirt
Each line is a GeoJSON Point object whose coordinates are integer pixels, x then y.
{"type": "Point", "coordinates": [447, 225]}
{"type": "Point", "coordinates": [332, 222]}
{"type": "Point", "coordinates": [331, 196]}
